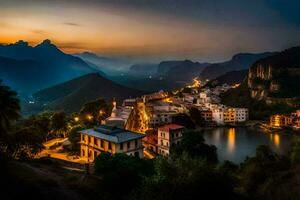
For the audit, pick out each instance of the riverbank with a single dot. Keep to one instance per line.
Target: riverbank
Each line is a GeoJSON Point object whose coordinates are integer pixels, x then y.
{"type": "Point", "coordinates": [284, 130]}
{"type": "Point", "coordinates": [251, 124]}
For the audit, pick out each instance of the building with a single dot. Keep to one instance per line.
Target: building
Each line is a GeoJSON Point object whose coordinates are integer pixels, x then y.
{"type": "Point", "coordinates": [109, 139]}
{"type": "Point", "coordinates": [150, 142]}
{"type": "Point", "coordinates": [242, 114]}
{"type": "Point", "coordinates": [230, 115]}
{"type": "Point", "coordinates": [278, 121]}
{"type": "Point", "coordinates": [129, 103]}
{"type": "Point", "coordinates": [236, 115]}
{"type": "Point", "coordinates": [118, 117]}
{"type": "Point", "coordinates": [218, 116]}
{"type": "Point", "coordinates": [168, 136]}
{"type": "Point", "coordinates": [159, 118]}
{"type": "Point", "coordinates": [206, 115]}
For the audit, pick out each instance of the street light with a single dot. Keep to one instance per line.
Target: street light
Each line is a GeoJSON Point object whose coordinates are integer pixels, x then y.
{"type": "Point", "coordinates": [76, 119]}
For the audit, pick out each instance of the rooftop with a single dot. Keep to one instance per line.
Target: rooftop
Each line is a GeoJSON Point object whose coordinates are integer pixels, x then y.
{"type": "Point", "coordinates": [112, 134]}
{"type": "Point", "coordinates": [169, 127]}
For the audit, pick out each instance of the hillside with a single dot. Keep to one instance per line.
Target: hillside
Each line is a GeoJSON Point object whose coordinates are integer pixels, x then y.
{"type": "Point", "coordinates": [142, 69]}
{"type": "Point", "coordinates": [28, 68]}
{"type": "Point", "coordinates": [231, 78]}
{"type": "Point", "coordinates": [108, 65]}
{"type": "Point", "coordinates": [238, 62]}
{"type": "Point", "coordinates": [71, 95]}
{"type": "Point", "coordinates": [272, 85]}
{"type": "Point", "coordinates": [180, 71]}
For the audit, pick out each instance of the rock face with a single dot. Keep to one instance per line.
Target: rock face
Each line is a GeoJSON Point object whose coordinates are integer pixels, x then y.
{"type": "Point", "coordinates": [276, 79]}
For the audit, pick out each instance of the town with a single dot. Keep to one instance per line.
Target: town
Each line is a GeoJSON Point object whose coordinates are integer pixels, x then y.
{"type": "Point", "coordinates": [147, 125]}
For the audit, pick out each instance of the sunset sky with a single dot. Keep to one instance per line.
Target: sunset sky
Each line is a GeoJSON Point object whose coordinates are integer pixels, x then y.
{"type": "Point", "coordinates": [207, 30]}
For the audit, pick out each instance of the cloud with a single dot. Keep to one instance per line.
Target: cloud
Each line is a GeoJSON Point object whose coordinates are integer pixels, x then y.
{"type": "Point", "coordinates": [71, 24]}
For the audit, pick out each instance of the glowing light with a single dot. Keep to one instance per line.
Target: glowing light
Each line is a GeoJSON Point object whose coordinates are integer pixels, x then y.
{"type": "Point", "coordinates": [89, 117]}
{"type": "Point", "coordinates": [76, 119]}
{"type": "Point", "coordinates": [236, 85]}
{"type": "Point", "coordinates": [101, 112]}
{"type": "Point", "coordinates": [231, 139]}
{"type": "Point", "coordinates": [277, 140]}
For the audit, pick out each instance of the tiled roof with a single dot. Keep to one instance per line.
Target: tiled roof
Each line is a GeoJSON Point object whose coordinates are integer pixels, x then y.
{"type": "Point", "coordinates": [170, 126]}
{"type": "Point", "coordinates": [150, 139]}
{"type": "Point", "coordinates": [112, 134]}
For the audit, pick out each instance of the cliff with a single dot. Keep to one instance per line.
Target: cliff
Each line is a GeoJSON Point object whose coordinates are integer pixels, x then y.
{"type": "Point", "coordinates": [276, 78]}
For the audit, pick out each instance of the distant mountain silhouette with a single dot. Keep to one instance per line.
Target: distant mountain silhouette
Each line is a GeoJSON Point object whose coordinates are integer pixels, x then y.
{"type": "Point", "coordinates": [142, 69]}
{"type": "Point", "coordinates": [110, 66]}
{"type": "Point", "coordinates": [181, 71]}
{"type": "Point", "coordinates": [238, 62]}
{"type": "Point", "coordinates": [30, 68]}
{"type": "Point", "coordinates": [71, 95]}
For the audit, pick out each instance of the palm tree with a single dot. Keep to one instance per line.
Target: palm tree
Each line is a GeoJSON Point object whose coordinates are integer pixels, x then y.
{"type": "Point", "coordinates": [9, 108]}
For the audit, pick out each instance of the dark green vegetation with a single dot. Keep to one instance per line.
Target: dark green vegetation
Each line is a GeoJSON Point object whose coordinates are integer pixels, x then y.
{"type": "Point", "coordinates": [71, 95]}
{"type": "Point", "coordinates": [191, 171]}
{"type": "Point", "coordinates": [196, 116]}
{"type": "Point", "coordinates": [258, 109]}
{"type": "Point", "coordinates": [231, 78]}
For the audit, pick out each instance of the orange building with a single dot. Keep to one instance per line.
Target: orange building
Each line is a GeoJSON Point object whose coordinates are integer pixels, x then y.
{"type": "Point", "coordinates": [278, 121]}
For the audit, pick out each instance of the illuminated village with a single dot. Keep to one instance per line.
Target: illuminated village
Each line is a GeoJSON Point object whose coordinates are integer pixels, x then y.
{"type": "Point", "coordinates": [149, 100]}
{"type": "Point", "coordinates": [147, 125]}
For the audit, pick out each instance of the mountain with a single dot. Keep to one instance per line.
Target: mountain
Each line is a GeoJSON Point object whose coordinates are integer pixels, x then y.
{"type": "Point", "coordinates": [30, 68]}
{"type": "Point", "coordinates": [277, 76]}
{"type": "Point", "coordinates": [110, 66]}
{"type": "Point", "coordinates": [272, 86]}
{"type": "Point", "coordinates": [180, 71]}
{"type": "Point", "coordinates": [142, 69]}
{"type": "Point", "coordinates": [230, 78]}
{"type": "Point", "coordinates": [238, 62]}
{"type": "Point", "coordinates": [71, 95]}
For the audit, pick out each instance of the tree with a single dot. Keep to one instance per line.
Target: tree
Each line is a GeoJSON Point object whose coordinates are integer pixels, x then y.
{"type": "Point", "coordinates": [193, 144]}
{"type": "Point", "coordinates": [25, 143]}
{"type": "Point", "coordinates": [121, 171]}
{"type": "Point", "coordinates": [196, 116]}
{"type": "Point", "coordinates": [295, 154]}
{"type": "Point", "coordinates": [74, 138]}
{"type": "Point", "coordinates": [184, 120]}
{"type": "Point", "coordinates": [184, 177]}
{"type": "Point", "coordinates": [93, 112]}
{"type": "Point", "coordinates": [258, 172]}
{"type": "Point", "coordinates": [41, 123]}
{"type": "Point", "coordinates": [59, 124]}
{"type": "Point", "coordinates": [10, 108]}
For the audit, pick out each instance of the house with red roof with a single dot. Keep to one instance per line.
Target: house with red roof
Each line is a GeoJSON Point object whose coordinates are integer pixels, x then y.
{"type": "Point", "coordinates": [168, 136]}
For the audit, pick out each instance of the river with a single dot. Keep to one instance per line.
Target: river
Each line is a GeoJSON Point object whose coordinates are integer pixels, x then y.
{"type": "Point", "coordinates": [235, 144]}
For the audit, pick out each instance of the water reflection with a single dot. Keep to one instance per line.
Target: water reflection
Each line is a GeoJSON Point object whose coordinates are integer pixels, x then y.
{"type": "Point", "coordinates": [231, 140]}
{"type": "Point", "coordinates": [235, 144]}
{"type": "Point", "coordinates": [275, 139]}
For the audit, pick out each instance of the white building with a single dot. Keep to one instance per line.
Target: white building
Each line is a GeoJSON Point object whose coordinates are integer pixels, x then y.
{"type": "Point", "coordinates": [161, 117]}
{"type": "Point", "coordinates": [218, 116]}
{"type": "Point", "coordinates": [242, 114]}
{"type": "Point", "coordinates": [118, 117]}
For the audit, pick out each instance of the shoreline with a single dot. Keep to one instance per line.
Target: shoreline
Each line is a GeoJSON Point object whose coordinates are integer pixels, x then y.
{"type": "Point", "coordinates": [255, 125]}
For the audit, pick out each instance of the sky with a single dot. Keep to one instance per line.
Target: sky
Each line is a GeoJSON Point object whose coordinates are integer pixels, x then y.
{"type": "Point", "coordinates": [203, 30]}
